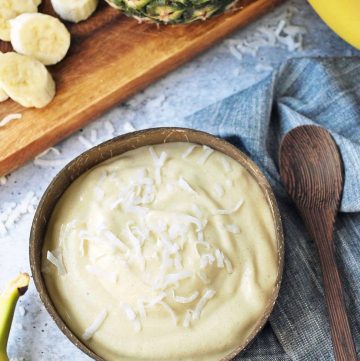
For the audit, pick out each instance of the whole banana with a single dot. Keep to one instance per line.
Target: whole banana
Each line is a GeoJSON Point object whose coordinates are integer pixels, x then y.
{"type": "Point", "coordinates": [343, 17]}
{"type": "Point", "coordinates": [8, 300]}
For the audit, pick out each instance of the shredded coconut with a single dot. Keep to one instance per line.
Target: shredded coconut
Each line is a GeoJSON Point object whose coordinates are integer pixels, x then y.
{"type": "Point", "coordinates": [56, 259]}
{"type": "Point", "coordinates": [65, 231]}
{"type": "Point", "coordinates": [155, 300]}
{"type": "Point", "coordinates": [96, 239]}
{"type": "Point", "coordinates": [172, 278]}
{"type": "Point", "coordinates": [45, 163]}
{"type": "Point", "coordinates": [219, 190]}
{"type": "Point", "coordinates": [189, 299]}
{"type": "Point", "coordinates": [219, 258]}
{"type": "Point", "coordinates": [141, 211]}
{"type": "Point", "coordinates": [11, 213]}
{"type": "Point", "coordinates": [232, 228]}
{"type": "Point", "coordinates": [85, 142]}
{"type": "Point", "coordinates": [109, 128]}
{"type": "Point", "coordinates": [226, 164]}
{"type": "Point", "coordinates": [9, 118]}
{"type": "Point", "coordinates": [279, 33]}
{"type": "Point", "coordinates": [112, 238]}
{"type": "Point", "coordinates": [280, 27]}
{"type": "Point", "coordinates": [141, 308]}
{"type": "Point", "coordinates": [208, 295]}
{"type": "Point", "coordinates": [201, 243]}
{"type": "Point", "coordinates": [206, 260]}
{"type": "Point", "coordinates": [170, 311]}
{"type": "Point", "coordinates": [136, 244]}
{"type": "Point", "coordinates": [188, 151]}
{"type": "Point", "coordinates": [228, 265]}
{"type": "Point", "coordinates": [207, 151]}
{"type": "Point", "coordinates": [91, 330]}
{"type": "Point", "coordinates": [128, 127]}
{"type": "Point", "coordinates": [187, 319]}
{"type": "Point", "coordinates": [22, 311]}
{"type": "Point", "coordinates": [203, 277]}
{"type": "Point", "coordinates": [131, 315]}
{"type": "Point", "coordinates": [186, 186]}
{"type": "Point", "coordinates": [263, 68]}
{"type": "Point", "coordinates": [93, 136]}
{"type": "Point", "coordinates": [230, 211]}
{"type": "Point", "coordinates": [197, 211]}
{"type": "Point", "coordinates": [158, 162]}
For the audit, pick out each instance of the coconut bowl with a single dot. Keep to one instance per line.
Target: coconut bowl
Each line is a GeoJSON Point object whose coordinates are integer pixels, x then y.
{"type": "Point", "coordinates": [115, 147]}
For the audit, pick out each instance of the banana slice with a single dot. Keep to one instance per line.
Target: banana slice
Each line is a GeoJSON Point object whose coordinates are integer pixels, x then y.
{"type": "Point", "coordinates": [40, 36]}
{"type": "Point", "coordinates": [26, 80]}
{"type": "Point", "coordinates": [74, 10]}
{"type": "Point", "coordinates": [10, 9]}
{"type": "Point", "coordinates": [3, 96]}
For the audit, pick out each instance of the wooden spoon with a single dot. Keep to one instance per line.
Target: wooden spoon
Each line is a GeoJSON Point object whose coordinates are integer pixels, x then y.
{"type": "Point", "coordinates": [311, 169]}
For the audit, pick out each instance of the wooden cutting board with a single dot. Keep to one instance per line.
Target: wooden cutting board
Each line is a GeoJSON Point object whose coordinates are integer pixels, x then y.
{"type": "Point", "coordinates": [111, 58]}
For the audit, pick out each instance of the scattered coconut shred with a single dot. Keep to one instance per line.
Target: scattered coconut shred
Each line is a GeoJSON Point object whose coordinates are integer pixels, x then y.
{"type": "Point", "coordinates": [110, 129]}
{"type": "Point", "coordinates": [207, 151]}
{"type": "Point", "coordinates": [90, 331]}
{"type": "Point", "coordinates": [48, 163]}
{"type": "Point", "coordinates": [279, 33]}
{"type": "Point", "coordinates": [186, 186]}
{"type": "Point", "coordinates": [131, 315]}
{"type": "Point", "coordinates": [85, 142]}
{"type": "Point", "coordinates": [9, 118]}
{"type": "Point", "coordinates": [158, 162]}
{"type": "Point", "coordinates": [188, 151]}
{"type": "Point", "coordinates": [128, 127]}
{"type": "Point", "coordinates": [55, 257]}
{"type": "Point", "coordinates": [11, 212]}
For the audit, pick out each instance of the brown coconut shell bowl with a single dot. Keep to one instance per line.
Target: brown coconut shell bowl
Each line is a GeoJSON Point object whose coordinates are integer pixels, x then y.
{"type": "Point", "coordinates": [116, 147]}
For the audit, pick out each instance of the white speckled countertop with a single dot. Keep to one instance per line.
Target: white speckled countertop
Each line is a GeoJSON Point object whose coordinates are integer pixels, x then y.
{"type": "Point", "coordinates": [210, 77]}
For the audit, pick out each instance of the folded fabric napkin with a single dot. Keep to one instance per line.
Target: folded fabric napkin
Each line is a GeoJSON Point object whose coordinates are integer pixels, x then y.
{"type": "Point", "coordinates": [304, 91]}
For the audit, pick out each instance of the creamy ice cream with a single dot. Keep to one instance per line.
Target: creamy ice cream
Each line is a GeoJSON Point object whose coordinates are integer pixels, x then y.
{"type": "Point", "coordinates": [166, 252]}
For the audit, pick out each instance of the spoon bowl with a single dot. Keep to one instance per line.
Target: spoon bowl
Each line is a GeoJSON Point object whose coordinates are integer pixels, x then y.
{"type": "Point", "coordinates": [309, 159]}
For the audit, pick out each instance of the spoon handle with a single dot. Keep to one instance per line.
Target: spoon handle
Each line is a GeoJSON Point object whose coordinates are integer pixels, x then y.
{"type": "Point", "coordinates": [319, 223]}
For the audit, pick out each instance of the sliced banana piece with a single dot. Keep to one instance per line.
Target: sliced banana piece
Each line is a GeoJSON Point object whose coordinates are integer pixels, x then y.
{"type": "Point", "coordinates": [74, 10]}
{"type": "Point", "coordinates": [40, 36]}
{"type": "Point", "coordinates": [10, 9]}
{"type": "Point", "coordinates": [26, 80]}
{"type": "Point", "coordinates": [3, 96]}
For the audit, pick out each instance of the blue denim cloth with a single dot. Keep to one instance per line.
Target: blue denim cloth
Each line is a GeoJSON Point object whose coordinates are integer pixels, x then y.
{"type": "Point", "coordinates": [304, 91]}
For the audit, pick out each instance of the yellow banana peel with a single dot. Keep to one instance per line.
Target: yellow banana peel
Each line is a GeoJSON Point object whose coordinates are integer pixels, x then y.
{"type": "Point", "coordinates": [8, 300]}
{"type": "Point", "coordinates": [342, 16]}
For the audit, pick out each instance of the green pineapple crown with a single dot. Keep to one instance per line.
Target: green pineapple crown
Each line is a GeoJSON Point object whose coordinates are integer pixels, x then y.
{"type": "Point", "coordinates": [171, 11]}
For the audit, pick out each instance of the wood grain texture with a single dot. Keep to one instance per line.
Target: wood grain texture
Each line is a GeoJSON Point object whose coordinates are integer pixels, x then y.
{"type": "Point", "coordinates": [111, 58]}
{"type": "Point", "coordinates": [311, 169]}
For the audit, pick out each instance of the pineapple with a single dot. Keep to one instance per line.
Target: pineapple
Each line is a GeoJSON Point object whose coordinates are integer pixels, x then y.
{"type": "Point", "coordinates": [171, 11]}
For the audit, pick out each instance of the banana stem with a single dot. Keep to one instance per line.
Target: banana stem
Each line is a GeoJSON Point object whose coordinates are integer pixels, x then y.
{"type": "Point", "coordinates": [8, 300]}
